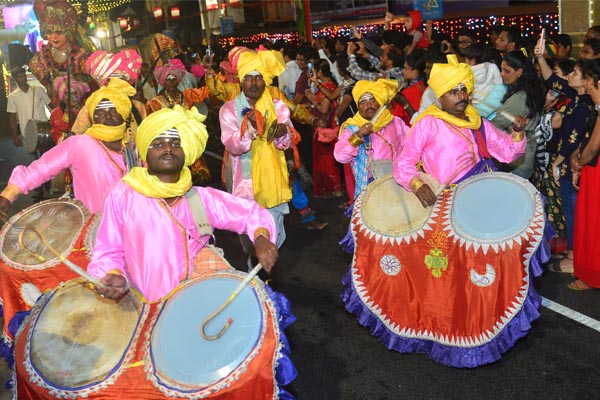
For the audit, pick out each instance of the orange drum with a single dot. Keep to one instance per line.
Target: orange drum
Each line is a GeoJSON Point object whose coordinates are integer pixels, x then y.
{"type": "Point", "coordinates": [131, 350]}
{"type": "Point", "coordinates": [23, 277]}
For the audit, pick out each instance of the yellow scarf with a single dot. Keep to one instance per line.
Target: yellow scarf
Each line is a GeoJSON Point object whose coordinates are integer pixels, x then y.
{"type": "Point", "coordinates": [358, 120]}
{"type": "Point", "coordinates": [473, 122]}
{"type": "Point", "coordinates": [150, 186]}
{"type": "Point", "coordinates": [106, 133]}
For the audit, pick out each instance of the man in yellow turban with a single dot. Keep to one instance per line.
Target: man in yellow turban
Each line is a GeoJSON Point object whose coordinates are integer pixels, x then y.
{"type": "Point", "coordinates": [371, 136]}
{"type": "Point", "coordinates": [157, 206]}
{"type": "Point", "coordinates": [96, 159]}
{"type": "Point", "coordinates": [255, 129]}
{"type": "Point", "coordinates": [452, 141]}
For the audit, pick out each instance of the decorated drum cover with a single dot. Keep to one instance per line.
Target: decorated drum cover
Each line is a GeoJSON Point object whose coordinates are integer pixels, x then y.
{"type": "Point", "coordinates": [180, 361]}
{"type": "Point", "coordinates": [59, 220]}
{"type": "Point", "coordinates": [78, 342]}
{"type": "Point", "coordinates": [390, 212]}
{"type": "Point", "coordinates": [491, 208]}
{"type": "Point", "coordinates": [90, 234]}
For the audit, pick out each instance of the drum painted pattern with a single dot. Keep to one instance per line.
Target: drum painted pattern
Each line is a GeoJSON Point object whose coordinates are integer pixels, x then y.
{"type": "Point", "coordinates": [59, 220]}
{"type": "Point", "coordinates": [392, 213]}
{"type": "Point", "coordinates": [79, 342]}
{"type": "Point", "coordinates": [185, 363]}
{"type": "Point", "coordinates": [453, 290]}
{"type": "Point", "coordinates": [492, 208]}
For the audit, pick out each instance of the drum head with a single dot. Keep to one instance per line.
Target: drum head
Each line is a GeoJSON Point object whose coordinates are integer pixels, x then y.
{"type": "Point", "coordinates": [380, 168]}
{"type": "Point", "coordinates": [59, 220]}
{"type": "Point", "coordinates": [182, 358]}
{"type": "Point", "coordinates": [80, 338]}
{"type": "Point", "coordinates": [492, 207]}
{"type": "Point", "coordinates": [31, 136]}
{"type": "Point", "coordinates": [389, 209]}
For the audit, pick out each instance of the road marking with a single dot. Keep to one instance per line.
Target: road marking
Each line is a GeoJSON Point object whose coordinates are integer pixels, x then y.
{"type": "Point", "coordinates": [572, 314]}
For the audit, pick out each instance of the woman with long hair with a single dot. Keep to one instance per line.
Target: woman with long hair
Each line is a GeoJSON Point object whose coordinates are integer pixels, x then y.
{"type": "Point", "coordinates": [524, 97]}
{"type": "Point", "coordinates": [408, 100]}
{"type": "Point", "coordinates": [326, 172]}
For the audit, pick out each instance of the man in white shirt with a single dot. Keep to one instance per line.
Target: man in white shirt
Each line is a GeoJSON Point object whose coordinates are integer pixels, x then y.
{"type": "Point", "coordinates": [24, 103]}
{"type": "Point", "coordinates": [287, 79]}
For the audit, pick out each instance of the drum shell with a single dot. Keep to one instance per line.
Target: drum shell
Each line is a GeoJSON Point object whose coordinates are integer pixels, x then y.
{"type": "Point", "coordinates": [38, 137]}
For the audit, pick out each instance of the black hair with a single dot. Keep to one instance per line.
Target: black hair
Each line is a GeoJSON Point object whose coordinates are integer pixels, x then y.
{"type": "Point", "coordinates": [529, 81]}
{"type": "Point", "coordinates": [564, 40]}
{"type": "Point", "coordinates": [566, 66]}
{"type": "Point", "coordinates": [417, 59]}
{"type": "Point", "coordinates": [323, 66]}
{"type": "Point", "coordinates": [479, 53]}
{"type": "Point", "coordinates": [513, 35]}
{"type": "Point", "coordinates": [594, 44]}
{"type": "Point", "coordinates": [396, 56]}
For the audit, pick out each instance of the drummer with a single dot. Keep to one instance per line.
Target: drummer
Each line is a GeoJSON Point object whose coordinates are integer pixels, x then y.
{"type": "Point", "coordinates": [96, 158]}
{"type": "Point", "coordinates": [151, 208]}
{"type": "Point", "coordinates": [453, 142]}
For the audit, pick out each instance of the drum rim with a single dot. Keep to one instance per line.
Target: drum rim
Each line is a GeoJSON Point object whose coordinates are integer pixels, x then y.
{"type": "Point", "coordinates": [88, 240]}
{"type": "Point", "coordinates": [409, 236]}
{"type": "Point", "coordinates": [102, 382]}
{"type": "Point", "coordinates": [173, 388]}
{"type": "Point", "coordinates": [85, 215]}
{"type": "Point", "coordinates": [458, 231]}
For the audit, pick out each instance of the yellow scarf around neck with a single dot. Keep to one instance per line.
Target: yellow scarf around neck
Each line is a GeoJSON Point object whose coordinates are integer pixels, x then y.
{"type": "Point", "coordinates": [150, 186]}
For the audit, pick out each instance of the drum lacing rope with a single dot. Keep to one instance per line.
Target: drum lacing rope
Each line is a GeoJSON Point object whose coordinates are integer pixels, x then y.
{"type": "Point", "coordinates": [232, 297]}
{"type": "Point", "coordinates": [75, 268]}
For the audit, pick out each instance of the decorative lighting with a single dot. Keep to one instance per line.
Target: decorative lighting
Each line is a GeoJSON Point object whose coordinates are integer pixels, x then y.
{"type": "Point", "coordinates": [123, 23]}
{"type": "Point", "coordinates": [101, 34]}
{"type": "Point", "coordinates": [175, 12]}
{"type": "Point", "coordinates": [157, 12]}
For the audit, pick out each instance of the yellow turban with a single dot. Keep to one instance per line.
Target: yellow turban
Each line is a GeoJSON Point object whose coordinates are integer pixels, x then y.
{"type": "Point", "coordinates": [444, 77]}
{"type": "Point", "coordinates": [193, 136]}
{"type": "Point", "coordinates": [383, 90]}
{"type": "Point", "coordinates": [118, 91]}
{"type": "Point", "coordinates": [269, 63]}
{"type": "Point", "coordinates": [192, 132]}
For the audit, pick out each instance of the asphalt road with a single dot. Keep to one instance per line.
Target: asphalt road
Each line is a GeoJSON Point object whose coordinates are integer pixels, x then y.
{"type": "Point", "coordinates": [336, 358]}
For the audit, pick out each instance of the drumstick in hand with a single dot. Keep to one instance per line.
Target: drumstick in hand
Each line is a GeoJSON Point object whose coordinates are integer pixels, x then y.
{"type": "Point", "coordinates": [232, 297]}
{"type": "Point", "coordinates": [75, 268]}
{"type": "Point", "coordinates": [506, 115]}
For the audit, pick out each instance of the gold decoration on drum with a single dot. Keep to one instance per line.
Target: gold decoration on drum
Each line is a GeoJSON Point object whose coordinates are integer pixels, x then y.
{"type": "Point", "coordinates": [436, 260]}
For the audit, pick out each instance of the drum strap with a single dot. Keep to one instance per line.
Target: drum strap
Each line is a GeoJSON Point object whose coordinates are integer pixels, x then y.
{"type": "Point", "coordinates": [198, 212]}
{"type": "Point", "coordinates": [481, 144]}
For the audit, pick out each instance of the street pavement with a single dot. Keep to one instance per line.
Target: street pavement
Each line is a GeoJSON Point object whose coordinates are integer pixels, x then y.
{"type": "Point", "coordinates": [336, 358]}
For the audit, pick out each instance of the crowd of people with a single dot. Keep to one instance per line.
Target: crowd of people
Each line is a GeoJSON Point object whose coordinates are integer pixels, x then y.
{"type": "Point", "coordinates": [320, 117]}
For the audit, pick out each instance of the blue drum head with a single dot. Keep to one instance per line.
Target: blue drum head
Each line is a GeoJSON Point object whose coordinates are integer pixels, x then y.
{"type": "Point", "coordinates": [492, 207]}
{"type": "Point", "coordinates": [182, 358]}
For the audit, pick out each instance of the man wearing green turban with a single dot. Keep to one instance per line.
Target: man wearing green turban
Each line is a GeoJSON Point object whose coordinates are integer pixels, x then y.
{"type": "Point", "coordinates": [157, 206]}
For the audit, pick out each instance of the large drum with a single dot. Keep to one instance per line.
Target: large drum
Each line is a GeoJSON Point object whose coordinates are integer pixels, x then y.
{"type": "Point", "coordinates": [460, 281]}
{"type": "Point", "coordinates": [23, 276]}
{"type": "Point", "coordinates": [161, 353]}
{"type": "Point", "coordinates": [37, 136]}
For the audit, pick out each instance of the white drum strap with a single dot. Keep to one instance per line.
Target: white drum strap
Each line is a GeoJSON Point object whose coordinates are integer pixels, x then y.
{"type": "Point", "coordinates": [198, 212]}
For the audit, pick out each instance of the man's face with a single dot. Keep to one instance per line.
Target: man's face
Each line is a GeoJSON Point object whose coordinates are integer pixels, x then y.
{"type": "Point", "coordinates": [301, 61]}
{"type": "Point", "coordinates": [502, 43]}
{"type": "Point", "coordinates": [563, 51]}
{"type": "Point", "coordinates": [253, 86]}
{"type": "Point", "coordinates": [386, 63]}
{"type": "Point", "coordinates": [368, 107]}
{"type": "Point", "coordinates": [165, 156]}
{"type": "Point", "coordinates": [339, 46]}
{"type": "Point", "coordinates": [455, 101]}
{"type": "Point", "coordinates": [21, 79]}
{"type": "Point", "coordinates": [58, 40]}
{"type": "Point", "coordinates": [171, 84]}
{"type": "Point", "coordinates": [587, 53]}
{"type": "Point", "coordinates": [108, 116]}
{"type": "Point", "coordinates": [463, 43]}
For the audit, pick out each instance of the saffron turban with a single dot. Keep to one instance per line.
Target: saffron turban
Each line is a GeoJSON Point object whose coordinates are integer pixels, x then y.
{"type": "Point", "coordinates": [117, 91]}
{"type": "Point", "coordinates": [192, 132]}
{"type": "Point", "coordinates": [444, 77]}
{"type": "Point", "coordinates": [174, 67]}
{"type": "Point", "coordinates": [269, 63]}
{"type": "Point", "coordinates": [80, 89]}
{"type": "Point", "coordinates": [126, 65]}
{"type": "Point", "coordinates": [383, 90]}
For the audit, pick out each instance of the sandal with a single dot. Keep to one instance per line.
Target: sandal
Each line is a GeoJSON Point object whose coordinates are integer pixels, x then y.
{"type": "Point", "coordinates": [579, 285]}
{"type": "Point", "coordinates": [558, 256]}
{"type": "Point", "coordinates": [557, 267]}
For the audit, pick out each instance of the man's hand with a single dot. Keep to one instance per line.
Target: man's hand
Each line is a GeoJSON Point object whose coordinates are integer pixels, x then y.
{"type": "Point", "coordinates": [18, 140]}
{"type": "Point", "coordinates": [116, 286]}
{"type": "Point", "coordinates": [520, 123]}
{"type": "Point", "coordinates": [252, 119]}
{"type": "Point", "coordinates": [4, 205]}
{"type": "Point", "coordinates": [426, 195]}
{"type": "Point", "coordinates": [365, 130]}
{"type": "Point", "coordinates": [351, 48]}
{"type": "Point", "coordinates": [266, 253]}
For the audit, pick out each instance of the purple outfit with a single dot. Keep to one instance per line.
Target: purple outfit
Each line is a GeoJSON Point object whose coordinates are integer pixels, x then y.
{"type": "Point", "coordinates": [95, 169]}
{"type": "Point", "coordinates": [135, 229]}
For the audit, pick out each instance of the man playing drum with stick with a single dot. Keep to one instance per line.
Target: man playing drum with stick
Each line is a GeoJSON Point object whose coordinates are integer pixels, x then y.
{"type": "Point", "coordinates": [454, 142]}
{"type": "Point", "coordinates": [96, 158]}
{"type": "Point", "coordinates": [128, 253]}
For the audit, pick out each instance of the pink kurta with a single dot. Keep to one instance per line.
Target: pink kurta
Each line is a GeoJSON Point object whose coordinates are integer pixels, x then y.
{"type": "Point", "coordinates": [236, 145]}
{"type": "Point", "coordinates": [154, 244]}
{"type": "Point", "coordinates": [441, 147]}
{"type": "Point", "coordinates": [387, 143]}
{"type": "Point", "coordinates": [95, 169]}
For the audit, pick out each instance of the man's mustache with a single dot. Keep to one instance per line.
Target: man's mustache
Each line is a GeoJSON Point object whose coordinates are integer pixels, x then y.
{"type": "Point", "coordinates": [462, 102]}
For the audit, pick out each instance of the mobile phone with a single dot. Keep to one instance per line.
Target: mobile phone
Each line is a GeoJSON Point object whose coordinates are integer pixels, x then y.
{"type": "Point", "coordinates": [310, 69]}
{"type": "Point", "coordinates": [554, 93]}
{"type": "Point", "coordinates": [208, 52]}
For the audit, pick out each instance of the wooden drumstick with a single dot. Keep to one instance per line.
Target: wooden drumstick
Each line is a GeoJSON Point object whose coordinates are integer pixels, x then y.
{"type": "Point", "coordinates": [232, 297]}
{"type": "Point", "coordinates": [75, 268]}
{"type": "Point", "coordinates": [505, 114]}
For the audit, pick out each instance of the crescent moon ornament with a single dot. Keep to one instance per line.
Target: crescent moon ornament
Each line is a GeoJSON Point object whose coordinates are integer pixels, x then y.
{"type": "Point", "coordinates": [483, 280]}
